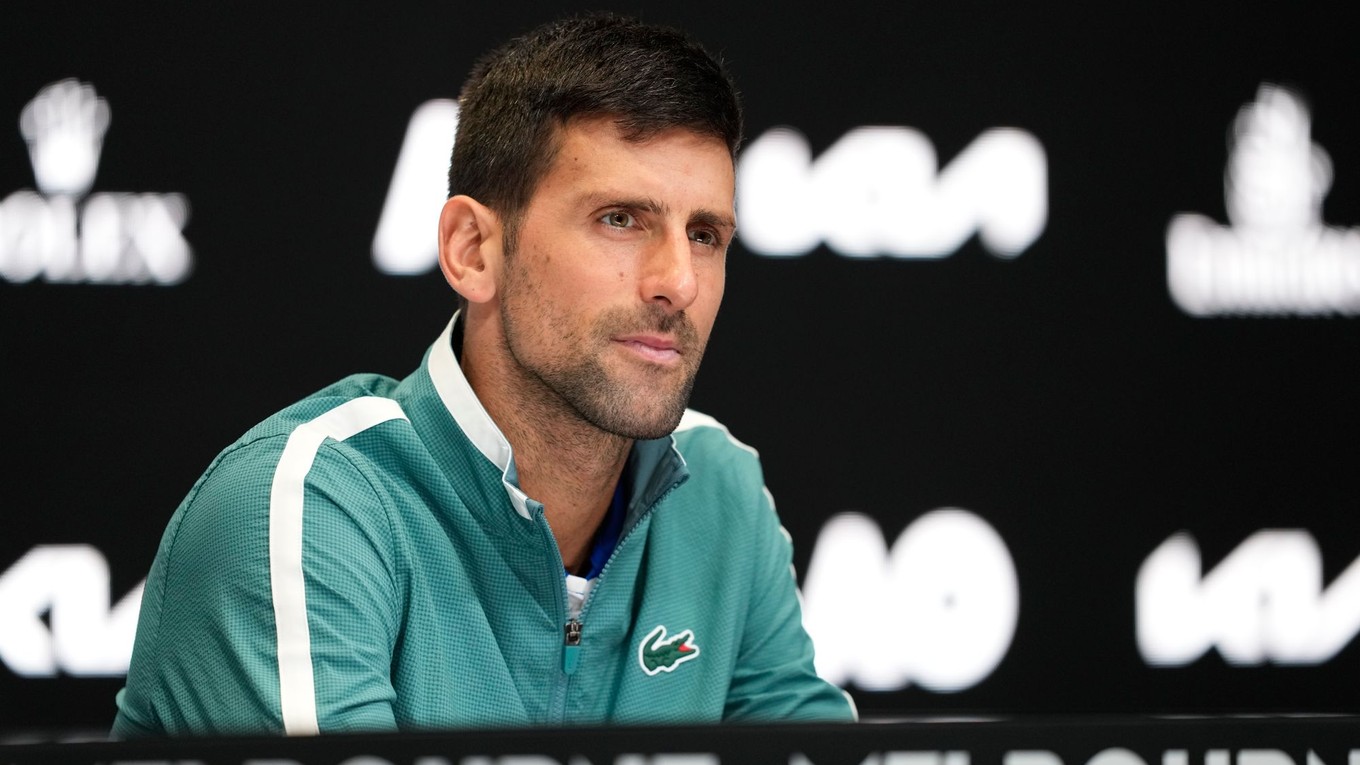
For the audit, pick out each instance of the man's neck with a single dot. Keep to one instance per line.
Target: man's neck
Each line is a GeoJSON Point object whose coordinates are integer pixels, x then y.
{"type": "Point", "coordinates": [574, 477]}
{"type": "Point", "coordinates": [562, 461]}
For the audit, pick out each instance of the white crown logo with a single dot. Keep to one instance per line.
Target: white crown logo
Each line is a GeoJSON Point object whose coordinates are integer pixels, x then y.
{"type": "Point", "coordinates": [64, 126]}
{"type": "Point", "coordinates": [1277, 256]}
{"type": "Point", "coordinates": [1277, 177]}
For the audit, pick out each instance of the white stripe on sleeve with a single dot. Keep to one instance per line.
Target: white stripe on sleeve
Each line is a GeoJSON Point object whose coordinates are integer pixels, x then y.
{"type": "Point", "coordinates": [297, 691]}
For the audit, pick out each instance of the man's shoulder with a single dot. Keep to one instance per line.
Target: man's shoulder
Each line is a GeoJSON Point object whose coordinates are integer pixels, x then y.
{"type": "Point", "coordinates": [267, 465]}
{"type": "Point", "coordinates": [315, 405]}
{"type": "Point", "coordinates": [718, 462]}
{"type": "Point", "coordinates": [702, 436]}
{"type": "Point", "coordinates": [353, 403]}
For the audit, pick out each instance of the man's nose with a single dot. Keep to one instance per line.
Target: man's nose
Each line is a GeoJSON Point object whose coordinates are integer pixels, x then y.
{"type": "Point", "coordinates": [668, 274]}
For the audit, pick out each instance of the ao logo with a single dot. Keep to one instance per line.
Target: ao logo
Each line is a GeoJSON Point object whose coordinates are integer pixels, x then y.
{"type": "Point", "coordinates": [877, 191]}
{"type": "Point", "coordinates": [939, 610]}
{"type": "Point", "coordinates": [70, 584]}
{"type": "Point", "coordinates": [405, 241]}
{"type": "Point", "coordinates": [1264, 602]}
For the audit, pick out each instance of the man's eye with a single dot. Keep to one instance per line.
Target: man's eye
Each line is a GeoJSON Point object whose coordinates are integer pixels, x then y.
{"type": "Point", "coordinates": [703, 237]}
{"type": "Point", "coordinates": [617, 219]}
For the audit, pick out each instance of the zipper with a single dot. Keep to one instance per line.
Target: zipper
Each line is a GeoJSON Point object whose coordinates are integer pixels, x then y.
{"type": "Point", "coordinates": [571, 652]}
{"type": "Point", "coordinates": [590, 597]}
{"type": "Point", "coordinates": [571, 631]}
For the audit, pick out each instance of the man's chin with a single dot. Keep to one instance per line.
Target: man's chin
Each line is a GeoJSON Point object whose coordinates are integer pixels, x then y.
{"type": "Point", "coordinates": [641, 416]}
{"type": "Point", "coordinates": [641, 427]}
{"type": "Point", "coordinates": [660, 432]}
{"type": "Point", "coordinates": [642, 407]}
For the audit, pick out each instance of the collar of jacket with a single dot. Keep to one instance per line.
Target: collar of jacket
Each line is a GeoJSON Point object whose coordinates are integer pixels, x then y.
{"type": "Point", "coordinates": [656, 465]}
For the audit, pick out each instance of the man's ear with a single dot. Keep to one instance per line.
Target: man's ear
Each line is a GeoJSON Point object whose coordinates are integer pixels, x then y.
{"type": "Point", "coordinates": [470, 248]}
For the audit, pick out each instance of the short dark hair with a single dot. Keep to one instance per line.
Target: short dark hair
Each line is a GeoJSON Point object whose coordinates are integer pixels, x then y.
{"type": "Point", "coordinates": [519, 96]}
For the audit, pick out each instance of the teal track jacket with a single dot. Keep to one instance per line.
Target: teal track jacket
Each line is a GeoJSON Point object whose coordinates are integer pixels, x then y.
{"type": "Point", "coordinates": [364, 560]}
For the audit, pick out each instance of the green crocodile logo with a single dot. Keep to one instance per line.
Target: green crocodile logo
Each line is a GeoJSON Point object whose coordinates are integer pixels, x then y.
{"type": "Point", "coordinates": [658, 653]}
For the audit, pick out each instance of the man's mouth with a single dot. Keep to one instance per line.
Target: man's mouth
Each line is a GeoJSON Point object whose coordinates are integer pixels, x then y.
{"type": "Point", "coordinates": [661, 349]}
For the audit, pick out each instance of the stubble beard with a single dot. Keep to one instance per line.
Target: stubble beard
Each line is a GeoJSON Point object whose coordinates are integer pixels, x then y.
{"type": "Point", "coordinates": [579, 382]}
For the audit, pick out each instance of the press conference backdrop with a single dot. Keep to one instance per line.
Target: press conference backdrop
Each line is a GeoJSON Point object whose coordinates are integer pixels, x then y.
{"type": "Point", "coordinates": [1041, 316]}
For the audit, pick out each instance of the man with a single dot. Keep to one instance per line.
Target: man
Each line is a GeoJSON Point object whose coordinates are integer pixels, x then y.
{"type": "Point", "coordinates": [531, 528]}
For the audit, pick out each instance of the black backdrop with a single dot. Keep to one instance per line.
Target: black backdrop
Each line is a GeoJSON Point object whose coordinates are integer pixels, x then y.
{"type": "Point", "coordinates": [1060, 395]}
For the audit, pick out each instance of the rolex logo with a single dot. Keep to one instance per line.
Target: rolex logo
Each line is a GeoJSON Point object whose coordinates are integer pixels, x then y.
{"type": "Point", "coordinates": [62, 232]}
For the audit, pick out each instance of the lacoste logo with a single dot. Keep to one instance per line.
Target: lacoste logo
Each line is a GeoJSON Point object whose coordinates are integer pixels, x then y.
{"type": "Point", "coordinates": [658, 653]}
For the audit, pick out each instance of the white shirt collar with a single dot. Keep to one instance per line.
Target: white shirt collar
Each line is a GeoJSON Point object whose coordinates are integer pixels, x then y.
{"type": "Point", "coordinates": [471, 416]}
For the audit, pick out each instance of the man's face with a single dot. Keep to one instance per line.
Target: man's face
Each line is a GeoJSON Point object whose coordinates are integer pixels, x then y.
{"type": "Point", "coordinates": [609, 297]}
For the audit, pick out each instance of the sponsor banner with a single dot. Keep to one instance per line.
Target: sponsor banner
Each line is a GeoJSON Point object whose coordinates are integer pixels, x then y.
{"type": "Point", "coordinates": [1300, 740]}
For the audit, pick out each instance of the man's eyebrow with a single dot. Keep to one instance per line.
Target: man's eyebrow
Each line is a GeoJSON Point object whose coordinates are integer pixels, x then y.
{"type": "Point", "coordinates": [714, 220]}
{"type": "Point", "coordinates": [642, 204]}
{"type": "Point", "coordinates": [657, 207]}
